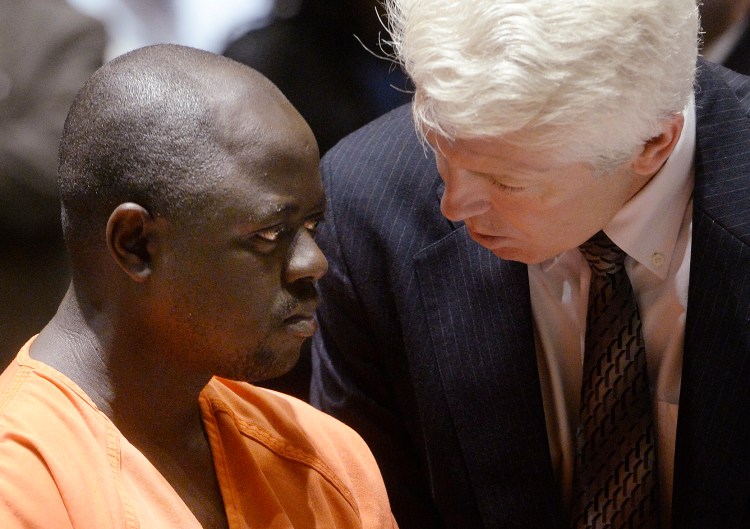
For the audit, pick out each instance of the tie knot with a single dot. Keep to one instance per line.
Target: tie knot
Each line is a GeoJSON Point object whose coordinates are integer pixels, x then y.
{"type": "Point", "coordinates": [604, 256]}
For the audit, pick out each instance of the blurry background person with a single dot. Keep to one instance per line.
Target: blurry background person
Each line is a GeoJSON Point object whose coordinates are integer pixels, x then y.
{"type": "Point", "coordinates": [47, 51]}
{"type": "Point", "coordinates": [326, 57]}
{"type": "Point", "coordinates": [726, 33]}
{"type": "Point", "coordinates": [208, 25]}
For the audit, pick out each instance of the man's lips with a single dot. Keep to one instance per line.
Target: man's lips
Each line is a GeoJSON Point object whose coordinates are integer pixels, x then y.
{"type": "Point", "coordinates": [301, 323]}
{"type": "Point", "coordinates": [301, 326]}
{"type": "Point", "coordinates": [490, 242]}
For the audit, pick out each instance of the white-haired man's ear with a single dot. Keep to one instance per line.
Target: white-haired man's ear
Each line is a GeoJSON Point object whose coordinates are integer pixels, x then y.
{"type": "Point", "coordinates": [657, 150]}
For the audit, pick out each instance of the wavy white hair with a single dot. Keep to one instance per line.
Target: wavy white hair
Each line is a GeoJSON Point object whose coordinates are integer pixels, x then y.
{"type": "Point", "coordinates": [592, 79]}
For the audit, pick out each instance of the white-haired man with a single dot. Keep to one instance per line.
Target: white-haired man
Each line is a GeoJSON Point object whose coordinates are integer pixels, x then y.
{"type": "Point", "coordinates": [457, 333]}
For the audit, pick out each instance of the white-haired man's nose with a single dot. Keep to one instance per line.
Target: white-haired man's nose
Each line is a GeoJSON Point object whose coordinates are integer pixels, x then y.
{"type": "Point", "coordinates": [465, 196]}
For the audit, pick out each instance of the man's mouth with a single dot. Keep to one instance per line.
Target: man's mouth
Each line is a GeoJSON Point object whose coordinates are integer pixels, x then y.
{"type": "Point", "coordinates": [301, 322]}
{"type": "Point", "coordinates": [301, 326]}
{"type": "Point", "coordinates": [491, 242]}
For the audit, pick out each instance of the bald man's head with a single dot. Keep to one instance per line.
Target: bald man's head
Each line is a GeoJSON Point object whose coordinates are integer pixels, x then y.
{"type": "Point", "coordinates": [156, 126]}
{"type": "Point", "coordinates": [191, 193]}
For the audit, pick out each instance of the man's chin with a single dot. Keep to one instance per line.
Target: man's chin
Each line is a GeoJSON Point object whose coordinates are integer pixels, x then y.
{"type": "Point", "coordinates": [268, 362]}
{"type": "Point", "coordinates": [509, 253]}
{"type": "Point", "coordinates": [505, 248]}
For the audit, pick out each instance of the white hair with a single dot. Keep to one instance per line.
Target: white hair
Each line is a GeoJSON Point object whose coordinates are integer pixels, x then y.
{"type": "Point", "coordinates": [593, 79]}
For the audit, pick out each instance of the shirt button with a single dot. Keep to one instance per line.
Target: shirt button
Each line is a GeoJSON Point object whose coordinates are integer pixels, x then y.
{"type": "Point", "coordinates": [657, 259]}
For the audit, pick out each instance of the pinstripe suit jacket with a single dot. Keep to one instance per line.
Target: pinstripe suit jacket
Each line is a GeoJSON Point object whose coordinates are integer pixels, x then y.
{"type": "Point", "coordinates": [427, 345]}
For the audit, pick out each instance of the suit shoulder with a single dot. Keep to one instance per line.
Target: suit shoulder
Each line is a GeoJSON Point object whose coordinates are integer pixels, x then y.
{"type": "Point", "coordinates": [383, 160]}
{"type": "Point", "coordinates": [387, 137]}
{"type": "Point", "coordinates": [711, 76]}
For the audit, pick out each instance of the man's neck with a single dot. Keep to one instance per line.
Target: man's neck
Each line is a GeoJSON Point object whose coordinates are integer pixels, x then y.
{"type": "Point", "coordinates": [155, 409]}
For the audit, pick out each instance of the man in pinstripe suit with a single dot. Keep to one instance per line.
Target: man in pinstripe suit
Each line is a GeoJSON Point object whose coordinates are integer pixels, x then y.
{"type": "Point", "coordinates": [454, 309]}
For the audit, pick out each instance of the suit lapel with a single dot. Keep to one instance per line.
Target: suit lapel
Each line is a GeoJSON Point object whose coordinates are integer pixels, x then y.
{"type": "Point", "coordinates": [479, 318]}
{"type": "Point", "coordinates": [712, 459]}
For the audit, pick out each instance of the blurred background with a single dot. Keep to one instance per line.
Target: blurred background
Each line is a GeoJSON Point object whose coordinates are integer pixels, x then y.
{"type": "Point", "coordinates": [325, 55]}
{"type": "Point", "coordinates": [47, 50]}
{"type": "Point", "coordinates": [726, 33]}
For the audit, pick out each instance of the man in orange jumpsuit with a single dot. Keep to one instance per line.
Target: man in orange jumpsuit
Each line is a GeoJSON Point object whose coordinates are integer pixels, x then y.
{"type": "Point", "coordinates": [190, 196]}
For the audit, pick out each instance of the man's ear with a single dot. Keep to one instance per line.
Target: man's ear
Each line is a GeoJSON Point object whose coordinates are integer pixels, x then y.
{"type": "Point", "coordinates": [130, 239]}
{"type": "Point", "coordinates": [656, 151]}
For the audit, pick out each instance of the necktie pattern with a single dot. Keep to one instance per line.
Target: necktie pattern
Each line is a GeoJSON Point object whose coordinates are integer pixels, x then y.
{"type": "Point", "coordinates": [615, 480]}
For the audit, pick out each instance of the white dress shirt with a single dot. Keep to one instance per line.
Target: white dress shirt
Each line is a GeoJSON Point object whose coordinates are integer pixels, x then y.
{"type": "Point", "coordinates": [654, 230]}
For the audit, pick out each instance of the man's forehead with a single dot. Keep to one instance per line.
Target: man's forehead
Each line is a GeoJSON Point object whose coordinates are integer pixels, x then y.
{"type": "Point", "coordinates": [284, 206]}
{"type": "Point", "coordinates": [266, 187]}
{"type": "Point", "coordinates": [506, 150]}
{"type": "Point", "coordinates": [263, 136]}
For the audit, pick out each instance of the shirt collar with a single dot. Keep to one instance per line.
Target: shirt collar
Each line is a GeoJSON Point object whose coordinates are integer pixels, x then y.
{"type": "Point", "coordinates": [647, 226]}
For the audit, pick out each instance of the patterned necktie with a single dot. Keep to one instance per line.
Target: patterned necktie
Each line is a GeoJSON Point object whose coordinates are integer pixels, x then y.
{"type": "Point", "coordinates": [615, 483]}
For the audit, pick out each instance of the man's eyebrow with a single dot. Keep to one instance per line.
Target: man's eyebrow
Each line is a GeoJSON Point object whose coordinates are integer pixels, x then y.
{"type": "Point", "coordinates": [273, 210]}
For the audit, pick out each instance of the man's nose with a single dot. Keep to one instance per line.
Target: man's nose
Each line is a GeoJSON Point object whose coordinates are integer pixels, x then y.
{"type": "Point", "coordinates": [306, 260]}
{"type": "Point", "coordinates": [465, 195]}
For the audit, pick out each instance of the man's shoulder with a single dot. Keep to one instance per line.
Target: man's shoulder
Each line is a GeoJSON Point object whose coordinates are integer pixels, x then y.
{"type": "Point", "coordinates": [53, 443]}
{"type": "Point", "coordinates": [37, 393]}
{"type": "Point", "coordinates": [268, 415]}
{"type": "Point", "coordinates": [301, 451]}
{"type": "Point", "coordinates": [722, 103]}
{"type": "Point", "coordinates": [276, 427]}
{"type": "Point", "coordinates": [389, 139]}
{"type": "Point", "coordinates": [34, 446]}
{"type": "Point", "coordinates": [42, 412]}
{"type": "Point", "coordinates": [381, 170]}
{"type": "Point", "coordinates": [714, 79]}
{"type": "Point", "coordinates": [397, 122]}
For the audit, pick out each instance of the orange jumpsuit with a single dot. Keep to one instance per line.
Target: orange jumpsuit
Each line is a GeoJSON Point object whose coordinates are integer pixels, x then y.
{"type": "Point", "coordinates": [279, 462]}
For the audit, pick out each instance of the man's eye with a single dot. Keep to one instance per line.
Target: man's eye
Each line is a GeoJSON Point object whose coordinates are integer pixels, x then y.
{"type": "Point", "coordinates": [311, 225]}
{"type": "Point", "coordinates": [271, 234]}
{"type": "Point", "coordinates": [506, 188]}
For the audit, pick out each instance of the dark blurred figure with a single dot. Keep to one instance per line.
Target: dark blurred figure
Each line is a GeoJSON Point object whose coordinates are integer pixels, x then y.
{"type": "Point", "coordinates": [322, 55]}
{"type": "Point", "coordinates": [324, 59]}
{"type": "Point", "coordinates": [726, 33]}
{"type": "Point", "coordinates": [47, 51]}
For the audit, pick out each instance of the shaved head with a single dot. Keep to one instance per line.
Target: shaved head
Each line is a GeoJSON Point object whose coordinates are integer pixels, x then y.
{"type": "Point", "coordinates": [155, 126]}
